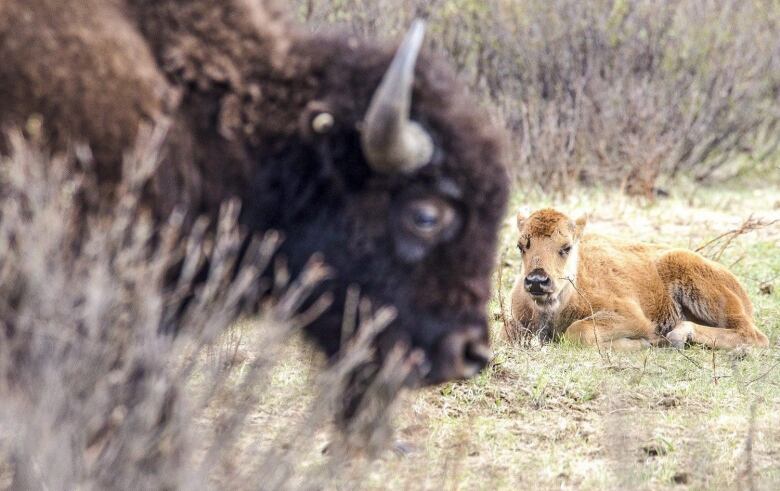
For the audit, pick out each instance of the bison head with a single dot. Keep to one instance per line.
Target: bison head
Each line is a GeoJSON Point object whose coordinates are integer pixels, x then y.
{"type": "Point", "coordinates": [396, 178]}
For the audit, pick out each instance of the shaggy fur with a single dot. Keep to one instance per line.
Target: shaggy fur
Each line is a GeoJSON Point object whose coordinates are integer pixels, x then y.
{"type": "Point", "coordinates": [628, 295]}
{"type": "Point", "coordinates": [242, 86]}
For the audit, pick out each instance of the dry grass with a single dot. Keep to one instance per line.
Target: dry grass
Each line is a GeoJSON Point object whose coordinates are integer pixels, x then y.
{"type": "Point", "coordinates": [97, 394]}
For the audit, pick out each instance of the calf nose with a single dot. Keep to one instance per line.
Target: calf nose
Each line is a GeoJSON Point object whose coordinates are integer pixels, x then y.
{"type": "Point", "coordinates": [460, 355]}
{"type": "Point", "coordinates": [537, 281]}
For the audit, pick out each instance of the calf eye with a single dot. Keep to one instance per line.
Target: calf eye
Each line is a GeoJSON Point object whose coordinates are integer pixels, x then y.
{"type": "Point", "coordinates": [565, 250]}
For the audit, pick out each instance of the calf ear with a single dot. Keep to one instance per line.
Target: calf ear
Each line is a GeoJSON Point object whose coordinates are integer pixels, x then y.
{"type": "Point", "coordinates": [522, 216]}
{"type": "Point", "coordinates": [579, 225]}
{"type": "Point", "coordinates": [520, 220]}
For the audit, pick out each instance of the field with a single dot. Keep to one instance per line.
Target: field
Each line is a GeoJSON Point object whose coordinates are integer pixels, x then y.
{"type": "Point", "coordinates": [125, 362]}
{"type": "Point", "coordinates": [561, 417]}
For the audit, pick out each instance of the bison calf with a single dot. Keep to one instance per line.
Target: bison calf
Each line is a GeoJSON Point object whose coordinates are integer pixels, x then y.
{"type": "Point", "coordinates": [596, 290]}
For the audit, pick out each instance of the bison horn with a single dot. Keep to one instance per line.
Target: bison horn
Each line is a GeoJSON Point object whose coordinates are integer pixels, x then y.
{"type": "Point", "coordinates": [391, 141]}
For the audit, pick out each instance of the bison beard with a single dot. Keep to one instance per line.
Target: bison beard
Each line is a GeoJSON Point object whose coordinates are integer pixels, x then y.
{"type": "Point", "coordinates": [284, 121]}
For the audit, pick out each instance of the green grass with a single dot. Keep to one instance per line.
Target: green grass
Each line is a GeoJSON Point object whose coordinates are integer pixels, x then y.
{"type": "Point", "coordinates": [562, 417]}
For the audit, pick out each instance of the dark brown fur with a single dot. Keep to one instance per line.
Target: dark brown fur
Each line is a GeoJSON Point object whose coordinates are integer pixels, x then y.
{"type": "Point", "coordinates": [240, 84]}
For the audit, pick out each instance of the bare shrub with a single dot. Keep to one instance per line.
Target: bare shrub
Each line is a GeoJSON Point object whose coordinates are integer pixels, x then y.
{"type": "Point", "coordinates": [96, 395]}
{"type": "Point", "coordinates": [606, 91]}
{"type": "Point", "coordinates": [714, 248]}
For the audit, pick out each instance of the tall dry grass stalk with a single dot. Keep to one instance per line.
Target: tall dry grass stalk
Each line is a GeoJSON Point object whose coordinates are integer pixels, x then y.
{"type": "Point", "coordinates": [98, 394]}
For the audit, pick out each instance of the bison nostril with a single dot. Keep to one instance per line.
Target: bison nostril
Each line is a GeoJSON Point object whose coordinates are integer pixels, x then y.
{"type": "Point", "coordinates": [460, 355]}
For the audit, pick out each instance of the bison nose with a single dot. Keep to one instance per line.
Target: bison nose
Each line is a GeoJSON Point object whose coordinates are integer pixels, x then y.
{"type": "Point", "coordinates": [538, 282]}
{"type": "Point", "coordinates": [460, 355]}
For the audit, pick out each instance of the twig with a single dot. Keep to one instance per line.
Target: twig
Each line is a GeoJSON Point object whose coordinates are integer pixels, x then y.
{"type": "Point", "coordinates": [764, 374]}
{"type": "Point", "coordinates": [750, 224]}
{"type": "Point", "coordinates": [592, 318]}
{"type": "Point", "coordinates": [694, 362]}
{"type": "Point", "coordinates": [714, 376]}
{"type": "Point", "coordinates": [739, 260]}
{"type": "Point", "coordinates": [751, 485]}
{"type": "Point", "coordinates": [644, 367]}
{"type": "Point", "coordinates": [500, 291]}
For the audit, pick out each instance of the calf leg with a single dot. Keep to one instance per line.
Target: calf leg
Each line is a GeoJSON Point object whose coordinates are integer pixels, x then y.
{"type": "Point", "coordinates": [714, 337]}
{"type": "Point", "coordinates": [615, 331]}
{"type": "Point", "coordinates": [716, 308]}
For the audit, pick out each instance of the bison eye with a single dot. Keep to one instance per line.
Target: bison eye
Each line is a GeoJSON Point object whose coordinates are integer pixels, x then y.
{"type": "Point", "coordinates": [421, 223]}
{"type": "Point", "coordinates": [565, 250]}
{"type": "Point", "coordinates": [428, 218]}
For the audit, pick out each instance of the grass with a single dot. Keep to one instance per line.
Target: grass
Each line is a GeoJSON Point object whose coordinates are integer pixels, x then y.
{"type": "Point", "coordinates": [562, 417]}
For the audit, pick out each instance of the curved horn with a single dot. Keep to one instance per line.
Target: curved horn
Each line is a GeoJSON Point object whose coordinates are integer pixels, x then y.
{"type": "Point", "coordinates": [391, 141]}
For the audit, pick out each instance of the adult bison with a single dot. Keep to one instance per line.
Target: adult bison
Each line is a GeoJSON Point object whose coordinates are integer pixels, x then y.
{"type": "Point", "coordinates": [373, 158]}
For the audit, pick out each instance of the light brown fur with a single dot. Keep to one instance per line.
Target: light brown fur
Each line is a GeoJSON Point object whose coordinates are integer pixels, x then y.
{"type": "Point", "coordinates": [626, 295]}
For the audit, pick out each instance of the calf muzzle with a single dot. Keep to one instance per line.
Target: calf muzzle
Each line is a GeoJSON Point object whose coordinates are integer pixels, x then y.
{"type": "Point", "coordinates": [538, 283]}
